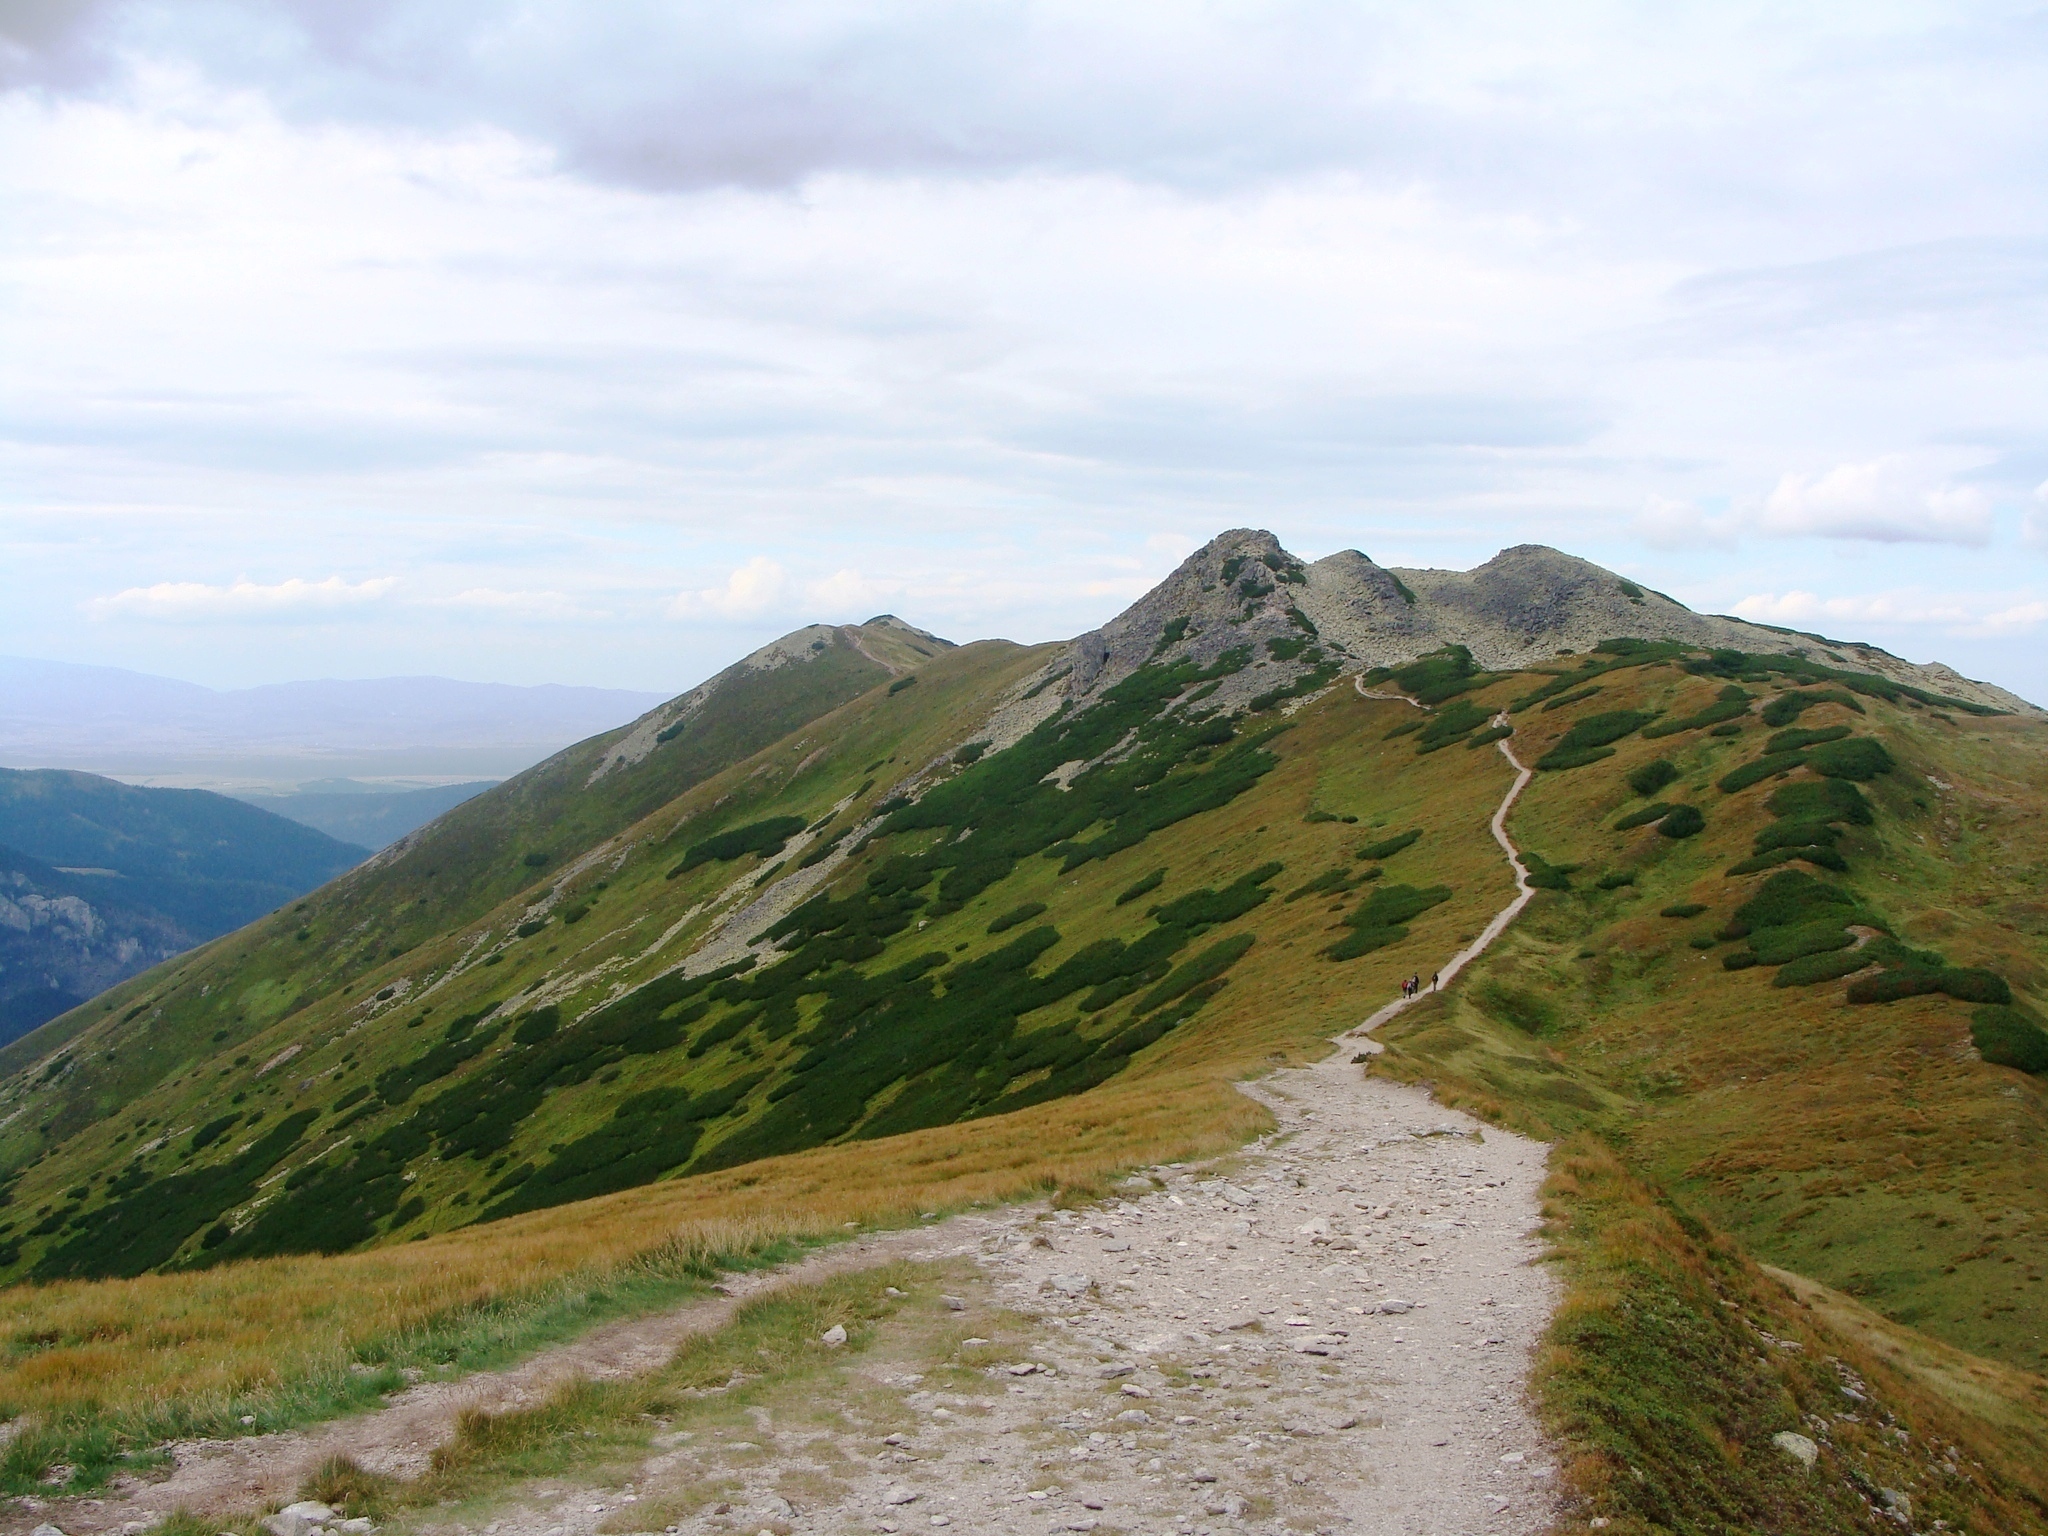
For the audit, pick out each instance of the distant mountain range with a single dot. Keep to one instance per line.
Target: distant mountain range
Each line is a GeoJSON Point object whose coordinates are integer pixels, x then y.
{"type": "Point", "coordinates": [366, 814]}
{"type": "Point", "coordinates": [100, 880]}
{"type": "Point", "coordinates": [130, 724]}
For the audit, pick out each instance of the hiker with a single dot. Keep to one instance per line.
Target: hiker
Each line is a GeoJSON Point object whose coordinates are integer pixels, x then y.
{"type": "Point", "coordinates": [1434, 978]}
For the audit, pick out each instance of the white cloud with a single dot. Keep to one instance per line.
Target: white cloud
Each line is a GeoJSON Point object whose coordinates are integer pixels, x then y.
{"type": "Point", "coordinates": [754, 589]}
{"type": "Point", "coordinates": [193, 602]}
{"type": "Point", "coordinates": [1887, 500]}
{"type": "Point", "coordinates": [1959, 614]}
{"type": "Point", "coordinates": [848, 591]}
{"type": "Point", "coordinates": [497, 602]}
{"type": "Point", "coordinates": [1667, 523]}
{"type": "Point", "coordinates": [2034, 526]}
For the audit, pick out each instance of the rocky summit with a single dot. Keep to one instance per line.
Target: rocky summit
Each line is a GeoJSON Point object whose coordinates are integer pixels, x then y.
{"type": "Point", "coordinates": [1526, 606]}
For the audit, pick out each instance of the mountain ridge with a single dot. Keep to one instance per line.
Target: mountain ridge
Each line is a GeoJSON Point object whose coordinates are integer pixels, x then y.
{"type": "Point", "coordinates": [1527, 606]}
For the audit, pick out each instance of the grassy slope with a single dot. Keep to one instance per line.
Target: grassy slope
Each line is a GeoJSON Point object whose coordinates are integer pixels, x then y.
{"type": "Point", "coordinates": [1594, 1014]}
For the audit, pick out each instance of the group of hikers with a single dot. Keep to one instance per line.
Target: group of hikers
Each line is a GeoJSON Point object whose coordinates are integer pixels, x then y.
{"type": "Point", "coordinates": [1413, 985]}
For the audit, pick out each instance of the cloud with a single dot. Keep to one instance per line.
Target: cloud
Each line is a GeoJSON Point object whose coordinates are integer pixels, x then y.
{"type": "Point", "coordinates": [1969, 614]}
{"type": "Point", "coordinates": [2034, 526]}
{"type": "Point", "coordinates": [1667, 523]}
{"type": "Point", "coordinates": [754, 589]}
{"type": "Point", "coordinates": [196, 602]}
{"type": "Point", "coordinates": [849, 591]}
{"type": "Point", "coordinates": [1886, 501]}
{"type": "Point", "coordinates": [496, 602]}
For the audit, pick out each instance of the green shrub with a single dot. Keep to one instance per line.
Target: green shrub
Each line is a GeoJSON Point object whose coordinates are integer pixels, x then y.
{"type": "Point", "coordinates": [1727, 728]}
{"type": "Point", "coordinates": [530, 927]}
{"type": "Point", "coordinates": [1331, 882]}
{"type": "Point", "coordinates": [1488, 736]}
{"type": "Point", "coordinates": [1566, 700]}
{"type": "Point", "coordinates": [1703, 941]}
{"type": "Point", "coordinates": [1656, 810]}
{"type": "Point", "coordinates": [1732, 705]}
{"type": "Point", "coordinates": [1382, 917]}
{"type": "Point", "coordinates": [1798, 834]}
{"type": "Point", "coordinates": [1683, 909]}
{"type": "Point", "coordinates": [1826, 800]}
{"type": "Point", "coordinates": [1770, 765]}
{"type": "Point", "coordinates": [2010, 1037]}
{"type": "Point", "coordinates": [1407, 727]}
{"type": "Point", "coordinates": [1820, 858]}
{"type": "Point", "coordinates": [902, 683]}
{"type": "Point", "coordinates": [1592, 733]}
{"type": "Point", "coordinates": [1776, 946]}
{"type": "Point", "coordinates": [1031, 909]}
{"type": "Point", "coordinates": [1557, 759]}
{"type": "Point", "coordinates": [1738, 960]}
{"type": "Point", "coordinates": [971, 753]}
{"type": "Point", "coordinates": [763, 837]}
{"type": "Point", "coordinates": [1616, 879]}
{"type": "Point", "coordinates": [1387, 847]}
{"type": "Point", "coordinates": [1546, 876]}
{"type": "Point", "coordinates": [1189, 974]}
{"type": "Point", "coordinates": [1860, 758]}
{"type": "Point", "coordinates": [1968, 984]}
{"type": "Point", "coordinates": [1795, 740]}
{"type": "Point", "coordinates": [1652, 776]}
{"type": "Point", "coordinates": [1451, 723]}
{"type": "Point", "coordinates": [1964, 983]}
{"type": "Point", "coordinates": [1788, 707]}
{"type": "Point", "coordinates": [1144, 887]}
{"type": "Point", "coordinates": [1809, 970]}
{"type": "Point", "coordinates": [1439, 676]}
{"type": "Point", "coordinates": [1682, 822]}
{"type": "Point", "coordinates": [1790, 899]}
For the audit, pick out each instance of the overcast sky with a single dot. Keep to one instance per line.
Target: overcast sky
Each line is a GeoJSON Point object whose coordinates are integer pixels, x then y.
{"type": "Point", "coordinates": [598, 343]}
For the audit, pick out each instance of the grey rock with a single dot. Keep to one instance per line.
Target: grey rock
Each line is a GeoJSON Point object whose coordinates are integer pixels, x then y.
{"type": "Point", "coordinates": [1798, 1447]}
{"type": "Point", "coordinates": [834, 1336]}
{"type": "Point", "coordinates": [954, 1303]}
{"type": "Point", "coordinates": [1897, 1503]}
{"type": "Point", "coordinates": [46, 1530]}
{"type": "Point", "coordinates": [1070, 1285]}
{"type": "Point", "coordinates": [360, 1526]}
{"type": "Point", "coordinates": [1394, 1306]}
{"type": "Point", "coordinates": [899, 1495]}
{"type": "Point", "coordinates": [1111, 1372]}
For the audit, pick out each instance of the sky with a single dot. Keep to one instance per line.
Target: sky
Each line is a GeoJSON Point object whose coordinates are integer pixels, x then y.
{"type": "Point", "coordinates": [549, 342]}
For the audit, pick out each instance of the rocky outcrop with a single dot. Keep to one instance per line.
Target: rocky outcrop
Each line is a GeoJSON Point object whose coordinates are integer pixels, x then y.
{"type": "Point", "coordinates": [65, 937]}
{"type": "Point", "coordinates": [1527, 605]}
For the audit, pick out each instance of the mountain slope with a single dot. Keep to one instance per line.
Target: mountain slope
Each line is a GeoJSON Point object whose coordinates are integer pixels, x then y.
{"type": "Point", "coordinates": [806, 905]}
{"type": "Point", "coordinates": [1785, 970]}
{"type": "Point", "coordinates": [66, 937]}
{"type": "Point", "coordinates": [207, 862]}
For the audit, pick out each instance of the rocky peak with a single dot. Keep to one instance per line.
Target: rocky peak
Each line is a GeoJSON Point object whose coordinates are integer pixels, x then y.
{"type": "Point", "coordinates": [1527, 605]}
{"type": "Point", "coordinates": [1241, 589]}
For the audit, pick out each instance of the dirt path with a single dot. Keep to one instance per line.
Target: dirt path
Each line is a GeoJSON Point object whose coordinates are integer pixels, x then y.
{"type": "Point", "coordinates": [1334, 1334]}
{"type": "Point", "coordinates": [1506, 915]}
{"type": "Point", "coordinates": [219, 1476]}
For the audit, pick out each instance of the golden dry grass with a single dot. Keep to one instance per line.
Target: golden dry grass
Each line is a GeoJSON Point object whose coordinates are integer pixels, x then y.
{"type": "Point", "coordinates": [190, 1344]}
